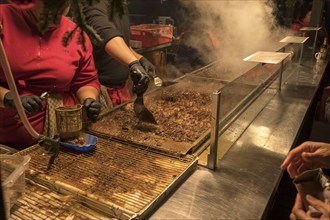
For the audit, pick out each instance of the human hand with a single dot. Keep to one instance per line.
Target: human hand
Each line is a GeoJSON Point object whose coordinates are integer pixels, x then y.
{"type": "Point", "coordinates": [31, 104]}
{"type": "Point", "coordinates": [308, 155]}
{"type": "Point", "coordinates": [139, 77]}
{"type": "Point", "coordinates": [93, 108]}
{"type": "Point", "coordinates": [298, 205]}
{"type": "Point", "coordinates": [148, 66]}
{"type": "Point", "coordinates": [299, 213]}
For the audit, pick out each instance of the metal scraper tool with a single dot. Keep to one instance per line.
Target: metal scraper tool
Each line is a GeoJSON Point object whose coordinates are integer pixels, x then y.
{"type": "Point", "coordinates": [141, 111]}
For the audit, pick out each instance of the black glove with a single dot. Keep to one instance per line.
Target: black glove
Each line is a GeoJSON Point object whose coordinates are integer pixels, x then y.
{"type": "Point", "coordinates": [31, 104]}
{"type": "Point", "coordinates": [139, 77]}
{"type": "Point", "coordinates": [93, 108]}
{"type": "Point", "coordinates": [148, 66]}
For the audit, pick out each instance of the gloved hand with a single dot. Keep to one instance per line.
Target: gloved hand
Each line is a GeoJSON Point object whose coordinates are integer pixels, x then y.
{"type": "Point", "coordinates": [148, 66]}
{"type": "Point", "coordinates": [139, 77]}
{"type": "Point", "coordinates": [93, 108]}
{"type": "Point", "coordinates": [31, 104]}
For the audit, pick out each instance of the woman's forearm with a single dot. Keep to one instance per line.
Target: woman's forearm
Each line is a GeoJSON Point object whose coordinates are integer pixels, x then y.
{"type": "Point", "coordinates": [87, 92]}
{"type": "Point", "coordinates": [117, 48]}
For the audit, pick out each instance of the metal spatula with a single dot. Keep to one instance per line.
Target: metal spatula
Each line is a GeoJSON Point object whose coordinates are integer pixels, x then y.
{"type": "Point", "coordinates": [141, 111]}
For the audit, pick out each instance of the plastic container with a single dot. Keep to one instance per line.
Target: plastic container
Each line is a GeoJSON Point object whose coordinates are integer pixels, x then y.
{"type": "Point", "coordinates": [13, 169]}
{"type": "Point", "coordinates": [152, 34]}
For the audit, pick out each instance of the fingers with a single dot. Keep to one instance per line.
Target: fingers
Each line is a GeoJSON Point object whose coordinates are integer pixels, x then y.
{"type": "Point", "coordinates": [36, 103]}
{"type": "Point", "coordinates": [93, 117]}
{"type": "Point", "coordinates": [292, 216]}
{"type": "Point", "coordinates": [299, 166]}
{"type": "Point", "coordinates": [300, 159]}
{"type": "Point", "coordinates": [31, 104]}
{"type": "Point", "coordinates": [298, 204]}
{"type": "Point", "coordinates": [303, 167]}
{"type": "Point", "coordinates": [298, 209]}
{"type": "Point", "coordinates": [319, 205]}
{"type": "Point", "coordinates": [310, 157]}
{"type": "Point", "coordinates": [149, 67]}
{"type": "Point", "coordinates": [88, 102]}
{"type": "Point", "coordinates": [151, 71]}
{"type": "Point", "coordinates": [93, 108]}
{"type": "Point", "coordinates": [143, 80]}
{"type": "Point", "coordinates": [140, 89]}
{"type": "Point", "coordinates": [293, 167]}
{"type": "Point", "coordinates": [292, 156]}
{"type": "Point", "coordinates": [142, 84]}
{"type": "Point", "coordinates": [301, 214]}
{"type": "Point", "coordinates": [139, 77]}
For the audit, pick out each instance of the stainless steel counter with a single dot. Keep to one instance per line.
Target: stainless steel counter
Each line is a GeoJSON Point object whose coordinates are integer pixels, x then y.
{"type": "Point", "coordinates": [249, 173]}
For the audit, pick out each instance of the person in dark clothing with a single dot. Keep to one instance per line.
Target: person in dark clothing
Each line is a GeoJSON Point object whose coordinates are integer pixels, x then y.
{"type": "Point", "coordinates": [114, 58]}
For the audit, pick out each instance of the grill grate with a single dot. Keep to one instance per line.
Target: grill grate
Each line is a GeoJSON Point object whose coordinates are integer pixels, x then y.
{"type": "Point", "coordinates": [183, 113]}
{"type": "Point", "coordinates": [42, 203]}
{"type": "Point", "coordinates": [125, 177]}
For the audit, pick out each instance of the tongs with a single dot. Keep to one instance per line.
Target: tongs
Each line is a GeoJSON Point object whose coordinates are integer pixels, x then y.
{"type": "Point", "coordinates": [52, 145]}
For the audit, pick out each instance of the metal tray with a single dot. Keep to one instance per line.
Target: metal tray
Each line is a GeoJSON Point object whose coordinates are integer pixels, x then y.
{"type": "Point", "coordinates": [122, 181]}
{"type": "Point", "coordinates": [39, 202]}
{"type": "Point", "coordinates": [183, 113]}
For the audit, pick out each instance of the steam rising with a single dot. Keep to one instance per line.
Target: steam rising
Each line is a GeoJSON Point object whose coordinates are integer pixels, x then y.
{"type": "Point", "coordinates": [242, 27]}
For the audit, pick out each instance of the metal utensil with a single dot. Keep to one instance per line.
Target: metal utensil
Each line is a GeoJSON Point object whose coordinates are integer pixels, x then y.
{"type": "Point", "coordinates": [168, 83]}
{"type": "Point", "coordinates": [44, 96]}
{"type": "Point", "coordinates": [141, 111]}
{"type": "Point", "coordinates": [53, 147]}
{"type": "Point", "coordinates": [160, 83]}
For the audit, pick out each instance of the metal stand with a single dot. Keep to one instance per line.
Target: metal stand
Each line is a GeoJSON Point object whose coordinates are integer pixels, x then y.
{"type": "Point", "coordinates": [296, 40]}
{"type": "Point", "coordinates": [213, 156]}
{"type": "Point", "coordinates": [280, 77]}
{"type": "Point", "coordinates": [315, 39]}
{"type": "Point", "coordinates": [301, 52]}
{"type": "Point", "coordinates": [316, 29]}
